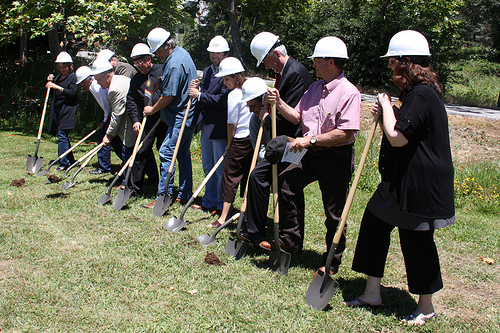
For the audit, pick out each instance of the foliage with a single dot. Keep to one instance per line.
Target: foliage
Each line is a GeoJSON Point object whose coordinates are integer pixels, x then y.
{"type": "Point", "coordinates": [99, 23]}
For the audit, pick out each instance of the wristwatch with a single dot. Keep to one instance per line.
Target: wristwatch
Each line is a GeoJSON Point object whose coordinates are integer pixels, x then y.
{"type": "Point", "coordinates": [312, 140]}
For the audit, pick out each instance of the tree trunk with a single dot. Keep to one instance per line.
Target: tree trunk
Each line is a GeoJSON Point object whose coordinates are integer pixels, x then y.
{"type": "Point", "coordinates": [23, 47]}
{"type": "Point", "coordinates": [54, 46]}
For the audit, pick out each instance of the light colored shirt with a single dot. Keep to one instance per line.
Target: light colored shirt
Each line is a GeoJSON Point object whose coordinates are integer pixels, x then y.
{"type": "Point", "coordinates": [101, 96]}
{"type": "Point", "coordinates": [238, 113]}
{"type": "Point", "coordinates": [328, 106]}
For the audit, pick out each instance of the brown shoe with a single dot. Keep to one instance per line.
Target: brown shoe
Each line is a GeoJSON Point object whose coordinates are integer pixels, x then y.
{"type": "Point", "coordinates": [121, 187]}
{"type": "Point", "coordinates": [182, 202]}
{"type": "Point", "coordinates": [151, 205]}
{"type": "Point", "coordinates": [272, 247]}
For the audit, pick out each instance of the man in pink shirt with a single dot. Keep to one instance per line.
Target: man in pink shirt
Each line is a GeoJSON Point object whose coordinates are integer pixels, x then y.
{"type": "Point", "coordinates": [330, 116]}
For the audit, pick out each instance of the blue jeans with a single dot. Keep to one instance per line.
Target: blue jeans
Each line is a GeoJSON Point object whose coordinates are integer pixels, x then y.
{"type": "Point", "coordinates": [211, 151]}
{"type": "Point", "coordinates": [104, 155]}
{"type": "Point", "coordinates": [183, 159]}
{"type": "Point", "coordinates": [62, 146]}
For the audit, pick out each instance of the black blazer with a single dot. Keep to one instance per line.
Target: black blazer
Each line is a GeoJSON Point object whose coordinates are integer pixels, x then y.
{"type": "Point", "coordinates": [213, 105]}
{"type": "Point", "coordinates": [293, 84]}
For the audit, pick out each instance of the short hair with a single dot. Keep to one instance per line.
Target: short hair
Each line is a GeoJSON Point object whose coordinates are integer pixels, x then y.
{"type": "Point", "coordinates": [281, 49]}
{"type": "Point", "coordinates": [339, 62]}
{"type": "Point", "coordinates": [169, 44]}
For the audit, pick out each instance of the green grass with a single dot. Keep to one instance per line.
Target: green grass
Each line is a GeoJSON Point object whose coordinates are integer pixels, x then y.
{"type": "Point", "coordinates": [68, 264]}
{"type": "Point", "coordinates": [473, 82]}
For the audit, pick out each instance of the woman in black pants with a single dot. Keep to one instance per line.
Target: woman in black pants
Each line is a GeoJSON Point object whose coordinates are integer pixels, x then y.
{"type": "Point", "coordinates": [416, 193]}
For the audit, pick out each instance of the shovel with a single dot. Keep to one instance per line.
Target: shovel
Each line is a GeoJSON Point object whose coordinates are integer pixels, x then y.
{"type": "Point", "coordinates": [34, 163]}
{"type": "Point", "coordinates": [176, 224]}
{"type": "Point", "coordinates": [323, 286]}
{"type": "Point", "coordinates": [107, 196]}
{"type": "Point", "coordinates": [237, 247]}
{"type": "Point", "coordinates": [93, 152]}
{"type": "Point", "coordinates": [164, 200]}
{"type": "Point", "coordinates": [279, 261]}
{"type": "Point", "coordinates": [44, 172]}
{"type": "Point", "coordinates": [124, 193]}
{"type": "Point", "coordinates": [80, 160]}
{"type": "Point", "coordinates": [207, 240]}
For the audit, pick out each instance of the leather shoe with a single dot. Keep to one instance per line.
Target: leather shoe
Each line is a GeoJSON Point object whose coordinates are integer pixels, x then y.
{"type": "Point", "coordinates": [98, 172]}
{"type": "Point", "coordinates": [120, 187]}
{"type": "Point", "coordinates": [249, 238]}
{"type": "Point", "coordinates": [182, 202]}
{"type": "Point", "coordinates": [200, 207]}
{"type": "Point", "coordinates": [150, 205]}
{"type": "Point", "coordinates": [333, 270]}
{"type": "Point", "coordinates": [272, 247]}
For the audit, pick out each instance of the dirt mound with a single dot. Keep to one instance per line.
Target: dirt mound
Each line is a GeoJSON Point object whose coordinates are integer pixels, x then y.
{"type": "Point", "coordinates": [18, 182]}
{"type": "Point", "coordinates": [54, 179]}
{"type": "Point", "coordinates": [212, 259]}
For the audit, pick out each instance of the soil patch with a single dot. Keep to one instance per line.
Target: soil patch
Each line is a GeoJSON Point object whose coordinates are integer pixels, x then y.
{"type": "Point", "coordinates": [54, 179]}
{"type": "Point", "coordinates": [212, 259]}
{"type": "Point", "coordinates": [18, 182]}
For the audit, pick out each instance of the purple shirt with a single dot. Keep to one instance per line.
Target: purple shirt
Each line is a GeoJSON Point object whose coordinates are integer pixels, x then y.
{"type": "Point", "coordinates": [325, 107]}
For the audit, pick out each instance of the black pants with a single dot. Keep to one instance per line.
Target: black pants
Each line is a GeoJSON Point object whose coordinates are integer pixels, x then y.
{"type": "Point", "coordinates": [419, 251]}
{"type": "Point", "coordinates": [259, 188]}
{"type": "Point", "coordinates": [333, 170]}
{"type": "Point", "coordinates": [236, 168]}
{"type": "Point", "coordinates": [145, 162]}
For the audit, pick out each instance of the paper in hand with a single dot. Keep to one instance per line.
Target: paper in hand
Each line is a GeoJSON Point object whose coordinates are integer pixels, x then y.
{"type": "Point", "coordinates": [291, 156]}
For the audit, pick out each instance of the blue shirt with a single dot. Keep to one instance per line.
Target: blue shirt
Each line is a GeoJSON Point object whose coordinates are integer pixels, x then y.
{"type": "Point", "coordinates": [178, 71]}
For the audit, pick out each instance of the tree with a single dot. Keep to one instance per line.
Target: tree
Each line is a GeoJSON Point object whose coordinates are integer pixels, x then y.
{"type": "Point", "coordinates": [99, 23]}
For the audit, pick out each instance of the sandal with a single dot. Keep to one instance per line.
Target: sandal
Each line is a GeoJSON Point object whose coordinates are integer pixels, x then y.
{"type": "Point", "coordinates": [362, 304]}
{"type": "Point", "coordinates": [419, 319]}
{"type": "Point", "coordinates": [215, 224]}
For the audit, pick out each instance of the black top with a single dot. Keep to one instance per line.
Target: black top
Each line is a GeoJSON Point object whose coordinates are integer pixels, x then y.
{"type": "Point", "coordinates": [213, 104]}
{"type": "Point", "coordinates": [421, 172]}
{"type": "Point", "coordinates": [64, 104]}
{"type": "Point", "coordinates": [139, 93]}
{"type": "Point", "coordinates": [293, 84]}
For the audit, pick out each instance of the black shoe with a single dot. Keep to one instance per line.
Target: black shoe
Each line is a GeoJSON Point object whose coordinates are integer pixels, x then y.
{"type": "Point", "coordinates": [98, 172]}
{"type": "Point", "coordinates": [250, 238]}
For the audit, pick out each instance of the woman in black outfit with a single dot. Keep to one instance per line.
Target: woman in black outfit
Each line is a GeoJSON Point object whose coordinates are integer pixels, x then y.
{"type": "Point", "coordinates": [416, 193]}
{"type": "Point", "coordinates": [64, 105]}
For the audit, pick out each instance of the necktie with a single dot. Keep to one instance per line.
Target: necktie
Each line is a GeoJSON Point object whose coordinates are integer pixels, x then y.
{"type": "Point", "coordinates": [277, 82]}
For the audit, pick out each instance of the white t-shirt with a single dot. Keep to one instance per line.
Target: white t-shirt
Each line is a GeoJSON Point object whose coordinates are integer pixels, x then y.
{"type": "Point", "coordinates": [101, 96]}
{"type": "Point", "coordinates": [238, 113]}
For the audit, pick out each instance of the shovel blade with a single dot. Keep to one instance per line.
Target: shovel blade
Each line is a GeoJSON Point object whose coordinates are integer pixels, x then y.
{"type": "Point", "coordinates": [42, 173]}
{"type": "Point", "coordinates": [174, 224]}
{"type": "Point", "coordinates": [67, 185]}
{"type": "Point", "coordinates": [104, 199]}
{"type": "Point", "coordinates": [321, 290]}
{"type": "Point", "coordinates": [34, 163]}
{"type": "Point", "coordinates": [279, 261]}
{"type": "Point", "coordinates": [121, 198]}
{"type": "Point", "coordinates": [162, 204]}
{"type": "Point", "coordinates": [236, 248]}
{"type": "Point", "coordinates": [207, 240]}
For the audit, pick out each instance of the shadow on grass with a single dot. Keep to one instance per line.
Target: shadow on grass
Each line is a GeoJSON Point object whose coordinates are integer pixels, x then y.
{"type": "Point", "coordinates": [397, 302]}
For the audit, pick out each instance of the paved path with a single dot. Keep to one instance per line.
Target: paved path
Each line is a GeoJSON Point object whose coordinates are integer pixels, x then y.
{"type": "Point", "coordinates": [462, 110]}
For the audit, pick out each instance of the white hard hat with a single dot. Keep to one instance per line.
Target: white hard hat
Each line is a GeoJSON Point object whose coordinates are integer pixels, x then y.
{"type": "Point", "coordinates": [408, 43]}
{"type": "Point", "coordinates": [330, 47]}
{"type": "Point", "coordinates": [228, 66]}
{"type": "Point", "coordinates": [140, 49]}
{"type": "Point", "coordinates": [218, 44]}
{"type": "Point", "coordinates": [82, 73]}
{"type": "Point", "coordinates": [261, 44]}
{"type": "Point", "coordinates": [101, 65]}
{"type": "Point", "coordinates": [252, 88]}
{"type": "Point", "coordinates": [105, 54]}
{"type": "Point", "coordinates": [64, 57]}
{"type": "Point", "coordinates": [156, 38]}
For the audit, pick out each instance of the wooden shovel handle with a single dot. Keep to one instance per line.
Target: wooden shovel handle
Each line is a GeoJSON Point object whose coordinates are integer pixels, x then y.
{"type": "Point", "coordinates": [179, 138]}
{"type": "Point", "coordinates": [43, 114]}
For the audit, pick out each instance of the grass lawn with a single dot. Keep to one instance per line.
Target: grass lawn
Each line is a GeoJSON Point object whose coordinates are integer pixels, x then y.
{"type": "Point", "coordinates": [68, 264]}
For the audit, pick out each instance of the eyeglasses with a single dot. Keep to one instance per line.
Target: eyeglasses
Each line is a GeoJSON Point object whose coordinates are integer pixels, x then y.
{"type": "Point", "coordinates": [140, 61]}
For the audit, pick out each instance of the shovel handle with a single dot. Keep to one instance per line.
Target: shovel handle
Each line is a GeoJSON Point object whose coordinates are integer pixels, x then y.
{"type": "Point", "coordinates": [352, 192]}
{"type": "Point", "coordinates": [73, 147]}
{"type": "Point", "coordinates": [93, 152]}
{"type": "Point", "coordinates": [43, 115]}
{"type": "Point", "coordinates": [210, 174]}
{"type": "Point", "coordinates": [179, 138]}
